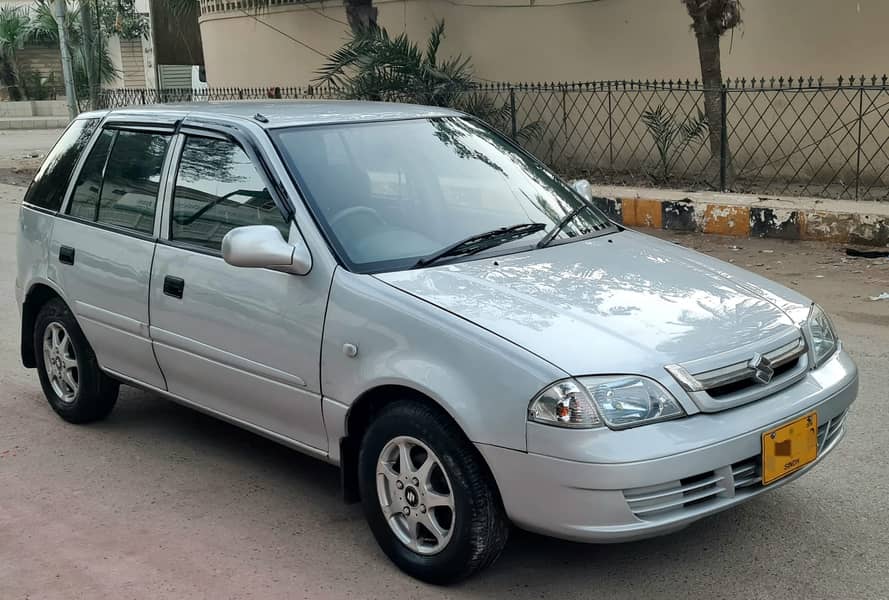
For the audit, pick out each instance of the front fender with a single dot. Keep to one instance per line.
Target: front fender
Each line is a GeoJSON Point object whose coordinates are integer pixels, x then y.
{"type": "Point", "coordinates": [482, 380]}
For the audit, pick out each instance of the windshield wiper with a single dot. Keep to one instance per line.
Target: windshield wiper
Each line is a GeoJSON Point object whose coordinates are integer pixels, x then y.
{"type": "Point", "coordinates": [549, 237]}
{"type": "Point", "coordinates": [482, 241]}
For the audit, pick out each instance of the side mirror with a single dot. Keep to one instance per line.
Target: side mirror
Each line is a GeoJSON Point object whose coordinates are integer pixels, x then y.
{"type": "Point", "coordinates": [263, 247]}
{"type": "Point", "coordinates": [584, 188]}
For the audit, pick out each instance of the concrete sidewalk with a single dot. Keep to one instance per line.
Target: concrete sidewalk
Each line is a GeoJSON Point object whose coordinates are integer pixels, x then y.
{"type": "Point", "coordinates": [745, 215]}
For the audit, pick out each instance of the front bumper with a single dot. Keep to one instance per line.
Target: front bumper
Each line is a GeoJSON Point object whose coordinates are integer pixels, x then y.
{"type": "Point", "coordinates": [667, 482]}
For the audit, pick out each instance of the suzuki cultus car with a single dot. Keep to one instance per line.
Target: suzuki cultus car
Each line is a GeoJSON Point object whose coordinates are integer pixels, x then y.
{"type": "Point", "coordinates": [402, 292]}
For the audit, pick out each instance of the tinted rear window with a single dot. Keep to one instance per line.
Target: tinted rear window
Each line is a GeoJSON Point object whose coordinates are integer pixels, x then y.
{"type": "Point", "coordinates": [51, 181]}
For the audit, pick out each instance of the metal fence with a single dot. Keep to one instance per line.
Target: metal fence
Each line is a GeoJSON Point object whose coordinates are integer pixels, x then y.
{"type": "Point", "coordinates": [782, 136]}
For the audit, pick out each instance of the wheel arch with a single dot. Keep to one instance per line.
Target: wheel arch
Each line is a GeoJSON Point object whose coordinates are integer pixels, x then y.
{"type": "Point", "coordinates": [37, 296]}
{"type": "Point", "coordinates": [361, 414]}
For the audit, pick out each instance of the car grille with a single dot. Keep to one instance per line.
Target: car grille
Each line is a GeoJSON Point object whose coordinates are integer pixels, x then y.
{"type": "Point", "coordinates": [736, 383]}
{"type": "Point", "coordinates": [653, 502]}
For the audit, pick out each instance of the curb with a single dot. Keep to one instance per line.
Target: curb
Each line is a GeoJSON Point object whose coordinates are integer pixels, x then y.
{"type": "Point", "coordinates": [738, 220]}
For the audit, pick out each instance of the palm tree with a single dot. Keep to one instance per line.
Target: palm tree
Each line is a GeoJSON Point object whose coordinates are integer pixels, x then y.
{"type": "Point", "coordinates": [14, 32]}
{"type": "Point", "coordinates": [711, 19]}
{"type": "Point", "coordinates": [92, 61]}
{"type": "Point", "coordinates": [373, 65]}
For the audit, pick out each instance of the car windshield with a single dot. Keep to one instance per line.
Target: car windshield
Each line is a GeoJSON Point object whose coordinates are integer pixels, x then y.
{"type": "Point", "coordinates": [391, 194]}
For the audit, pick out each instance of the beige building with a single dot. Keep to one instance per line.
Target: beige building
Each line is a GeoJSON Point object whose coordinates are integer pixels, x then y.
{"type": "Point", "coordinates": [553, 40]}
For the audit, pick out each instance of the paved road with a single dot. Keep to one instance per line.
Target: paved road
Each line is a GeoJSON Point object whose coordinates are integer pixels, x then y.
{"type": "Point", "coordinates": [162, 502]}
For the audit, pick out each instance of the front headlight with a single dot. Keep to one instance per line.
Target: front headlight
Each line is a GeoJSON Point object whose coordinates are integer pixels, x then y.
{"type": "Point", "coordinates": [565, 404]}
{"type": "Point", "coordinates": [822, 338]}
{"type": "Point", "coordinates": [617, 401]}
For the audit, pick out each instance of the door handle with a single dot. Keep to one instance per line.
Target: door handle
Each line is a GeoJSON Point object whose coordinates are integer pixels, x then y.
{"type": "Point", "coordinates": [66, 255]}
{"type": "Point", "coordinates": [174, 286]}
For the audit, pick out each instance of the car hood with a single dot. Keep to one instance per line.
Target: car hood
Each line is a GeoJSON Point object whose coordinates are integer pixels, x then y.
{"type": "Point", "coordinates": [613, 304]}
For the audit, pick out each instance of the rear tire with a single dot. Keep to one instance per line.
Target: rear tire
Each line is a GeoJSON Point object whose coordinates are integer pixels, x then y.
{"type": "Point", "coordinates": [463, 529]}
{"type": "Point", "coordinates": [69, 373]}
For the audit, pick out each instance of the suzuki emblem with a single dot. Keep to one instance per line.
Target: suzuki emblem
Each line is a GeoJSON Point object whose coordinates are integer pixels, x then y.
{"type": "Point", "coordinates": [762, 368]}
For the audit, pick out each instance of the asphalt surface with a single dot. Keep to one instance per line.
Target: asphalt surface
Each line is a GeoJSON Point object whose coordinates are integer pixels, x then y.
{"type": "Point", "coordinates": [162, 502]}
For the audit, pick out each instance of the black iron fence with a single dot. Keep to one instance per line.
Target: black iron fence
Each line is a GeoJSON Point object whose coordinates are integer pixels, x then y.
{"type": "Point", "coordinates": [777, 136]}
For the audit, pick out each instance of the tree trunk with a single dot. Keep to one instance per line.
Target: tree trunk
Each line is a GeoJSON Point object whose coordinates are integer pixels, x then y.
{"type": "Point", "coordinates": [60, 10]}
{"type": "Point", "coordinates": [711, 77]}
{"type": "Point", "coordinates": [91, 63]}
{"type": "Point", "coordinates": [361, 14]}
{"type": "Point", "coordinates": [7, 77]}
{"type": "Point", "coordinates": [17, 73]}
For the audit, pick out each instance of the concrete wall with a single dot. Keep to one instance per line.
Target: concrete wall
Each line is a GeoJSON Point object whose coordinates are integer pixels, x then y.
{"type": "Point", "coordinates": [604, 39]}
{"type": "Point", "coordinates": [45, 60]}
{"type": "Point", "coordinates": [35, 108]}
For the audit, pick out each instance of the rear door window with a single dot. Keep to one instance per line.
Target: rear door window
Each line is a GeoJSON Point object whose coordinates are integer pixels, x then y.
{"type": "Point", "coordinates": [132, 179]}
{"type": "Point", "coordinates": [85, 198]}
{"type": "Point", "coordinates": [118, 184]}
{"type": "Point", "coordinates": [49, 185]}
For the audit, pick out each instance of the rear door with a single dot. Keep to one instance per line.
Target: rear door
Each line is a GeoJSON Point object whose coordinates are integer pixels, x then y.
{"type": "Point", "coordinates": [104, 246]}
{"type": "Point", "coordinates": [244, 343]}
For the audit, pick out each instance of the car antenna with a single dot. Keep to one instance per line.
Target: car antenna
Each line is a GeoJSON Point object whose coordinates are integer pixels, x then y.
{"type": "Point", "coordinates": [261, 118]}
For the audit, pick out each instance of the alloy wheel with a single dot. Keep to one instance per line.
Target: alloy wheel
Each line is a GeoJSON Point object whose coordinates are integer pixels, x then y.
{"type": "Point", "coordinates": [415, 495]}
{"type": "Point", "coordinates": [60, 362]}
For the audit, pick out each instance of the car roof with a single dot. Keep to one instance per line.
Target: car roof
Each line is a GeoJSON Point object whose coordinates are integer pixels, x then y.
{"type": "Point", "coordinates": [290, 113]}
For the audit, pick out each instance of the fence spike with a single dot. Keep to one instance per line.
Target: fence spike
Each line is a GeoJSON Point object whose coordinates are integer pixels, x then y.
{"type": "Point", "coordinates": [873, 79]}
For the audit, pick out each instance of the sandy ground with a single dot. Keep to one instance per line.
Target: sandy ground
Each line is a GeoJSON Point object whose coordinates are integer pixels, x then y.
{"type": "Point", "coordinates": [162, 502]}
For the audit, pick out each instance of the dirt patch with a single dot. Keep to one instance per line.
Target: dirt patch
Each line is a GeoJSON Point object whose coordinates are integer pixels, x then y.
{"type": "Point", "coordinates": [17, 175]}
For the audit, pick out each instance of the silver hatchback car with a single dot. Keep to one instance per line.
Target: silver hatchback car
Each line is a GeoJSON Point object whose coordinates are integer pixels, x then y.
{"type": "Point", "coordinates": [401, 291]}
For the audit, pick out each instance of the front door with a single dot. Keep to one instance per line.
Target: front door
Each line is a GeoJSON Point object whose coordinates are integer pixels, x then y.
{"type": "Point", "coordinates": [104, 244]}
{"type": "Point", "coordinates": [242, 342]}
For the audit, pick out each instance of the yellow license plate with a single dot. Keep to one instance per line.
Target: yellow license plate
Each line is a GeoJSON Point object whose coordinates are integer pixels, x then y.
{"type": "Point", "coordinates": [789, 448]}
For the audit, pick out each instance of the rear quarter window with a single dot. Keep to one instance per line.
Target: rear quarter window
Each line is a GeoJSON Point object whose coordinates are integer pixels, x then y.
{"type": "Point", "coordinates": [49, 185]}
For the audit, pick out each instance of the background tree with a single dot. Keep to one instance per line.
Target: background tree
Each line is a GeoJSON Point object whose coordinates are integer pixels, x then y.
{"type": "Point", "coordinates": [710, 20]}
{"type": "Point", "coordinates": [14, 32]}
{"type": "Point", "coordinates": [90, 43]}
{"type": "Point", "coordinates": [374, 65]}
{"type": "Point", "coordinates": [89, 53]}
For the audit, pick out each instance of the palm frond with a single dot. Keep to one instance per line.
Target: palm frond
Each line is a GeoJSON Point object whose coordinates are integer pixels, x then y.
{"type": "Point", "coordinates": [14, 28]}
{"type": "Point", "coordinates": [671, 138]}
{"type": "Point", "coordinates": [374, 65]}
{"type": "Point", "coordinates": [434, 43]}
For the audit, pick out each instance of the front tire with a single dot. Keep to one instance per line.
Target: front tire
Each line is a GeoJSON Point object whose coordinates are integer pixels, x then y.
{"type": "Point", "coordinates": [69, 373]}
{"type": "Point", "coordinates": [430, 501]}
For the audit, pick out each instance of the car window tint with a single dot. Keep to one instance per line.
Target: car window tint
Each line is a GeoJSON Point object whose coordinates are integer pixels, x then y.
{"type": "Point", "coordinates": [217, 189]}
{"type": "Point", "coordinates": [132, 178]}
{"type": "Point", "coordinates": [51, 181]}
{"type": "Point", "coordinates": [85, 198]}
